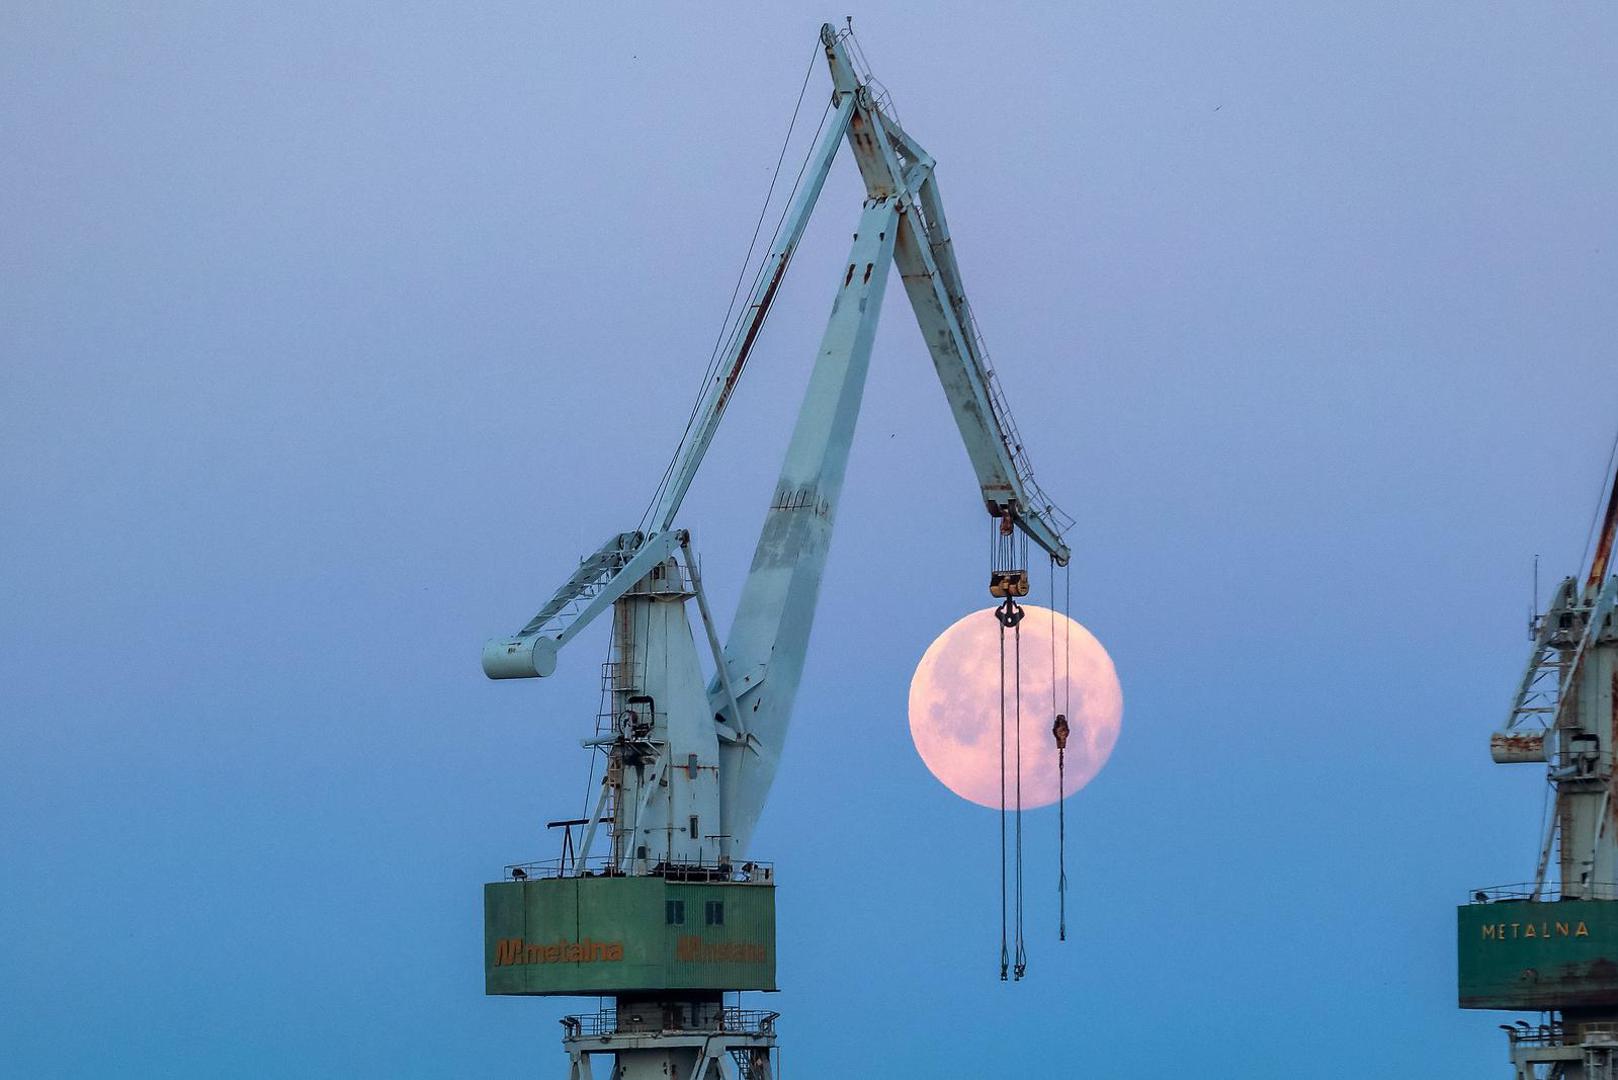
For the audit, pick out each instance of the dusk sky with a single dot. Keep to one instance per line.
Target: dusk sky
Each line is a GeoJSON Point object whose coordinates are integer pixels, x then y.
{"type": "Point", "coordinates": [332, 336]}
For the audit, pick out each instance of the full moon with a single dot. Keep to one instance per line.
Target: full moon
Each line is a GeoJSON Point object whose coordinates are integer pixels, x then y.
{"type": "Point", "coordinates": [955, 707]}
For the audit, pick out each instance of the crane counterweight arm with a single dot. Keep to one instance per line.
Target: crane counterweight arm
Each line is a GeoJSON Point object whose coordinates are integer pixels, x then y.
{"type": "Point", "coordinates": [601, 579]}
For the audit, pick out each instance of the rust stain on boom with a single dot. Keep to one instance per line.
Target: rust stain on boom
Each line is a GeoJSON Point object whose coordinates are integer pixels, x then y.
{"type": "Point", "coordinates": [754, 327]}
{"type": "Point", "coordinates": [1603, 553]}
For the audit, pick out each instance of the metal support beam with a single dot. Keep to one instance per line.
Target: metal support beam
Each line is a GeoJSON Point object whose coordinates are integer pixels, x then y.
{"type": "Point", "coordinates": [777, 606]}
{"type": "Point", "coordinates": [738, 726]}
{"type": "Point", "coordinates": [758, 308]}
{"type": "Point", "coordinates": [892, 163]}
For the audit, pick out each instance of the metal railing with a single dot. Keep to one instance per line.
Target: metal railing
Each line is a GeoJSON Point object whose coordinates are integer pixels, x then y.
{"type": "Point", "coordinates": [1600, 1033]}
{"type": "Point", "coordinates": [730, 872]}
{"type": "Point", "coordinates": [1039, 502]}
{"type": "Point", "coordinates": [1542, 1035]}
{"type": "Point", "coordinates": [1549, 892]}
{"type": "Point", "coordinates": [728, 1020]}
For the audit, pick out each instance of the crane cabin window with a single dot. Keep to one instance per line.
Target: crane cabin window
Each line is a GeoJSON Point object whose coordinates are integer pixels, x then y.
{"type": "Point", "coordinates": [674, 912]}
{"type": "Point", "coordinates": [715, 913]}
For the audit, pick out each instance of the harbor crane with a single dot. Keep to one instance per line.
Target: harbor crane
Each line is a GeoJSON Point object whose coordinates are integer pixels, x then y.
{"type": "Point", "coordinates": [661, 904]}
{"type": "Point", "coordinates": [1551, 945]}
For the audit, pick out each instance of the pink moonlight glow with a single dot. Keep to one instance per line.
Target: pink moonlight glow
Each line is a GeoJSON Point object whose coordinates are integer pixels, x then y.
{"type": "Point", "coordinates": [955, 707]}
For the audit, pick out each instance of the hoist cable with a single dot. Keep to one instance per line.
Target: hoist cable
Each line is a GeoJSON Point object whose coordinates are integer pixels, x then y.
{"type": "Point", "coordinates": [711, 368]}
{"type": "Point", "coordinates": [1021, 954]}
{"type": "Point", "coordinates": [1067, 641]}
{"type": "Point", "coordinates": [725, 330]}
{"type": "Point", "coordinates": [1060, 734]}
{"type": "Point", "coordinates": [1054, 709]}
{"type": "Point", "coordinates": [1061, 753]}
{"type": "Point", "coordinates": [1004, 958]}
{"type": "Point", "coordinates": [1061, 846]}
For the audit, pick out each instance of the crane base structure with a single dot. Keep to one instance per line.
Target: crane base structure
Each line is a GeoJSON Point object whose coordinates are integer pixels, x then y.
{"type": "Point", "coordinates": [703, 1040]}
{"type": "Point", "coordinates": [675, 914]}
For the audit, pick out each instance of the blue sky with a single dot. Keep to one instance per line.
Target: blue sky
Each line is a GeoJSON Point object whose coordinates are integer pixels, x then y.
{"type": "Point", "coordinates": [332, 335]}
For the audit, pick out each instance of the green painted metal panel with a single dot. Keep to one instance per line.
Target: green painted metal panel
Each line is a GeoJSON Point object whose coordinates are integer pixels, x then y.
{"type": "Point", "coordinates": [610, 935]}
{"type": "Point", "coordinates": [1522, 954]}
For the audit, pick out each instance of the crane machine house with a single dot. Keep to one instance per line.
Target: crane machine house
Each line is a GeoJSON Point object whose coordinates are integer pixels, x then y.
{"type": "Point", "coordinates": [661, 904]}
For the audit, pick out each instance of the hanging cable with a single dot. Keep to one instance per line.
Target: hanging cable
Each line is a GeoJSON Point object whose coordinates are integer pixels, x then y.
{"type": "Point", "coordinates": [1060, 731]}
{"type": "Point", "coordinates": [1020, 965]}
{"type": "Point", "coordinates": [725, 328]}
{"type": "Point", "coordinates": [1054, 610]}
{"type": "Point", "coordinates": [1067, 708]}
{"type": "Point", "coordinates": [1067, 640]}
{"type": "Point", "coordinates": [1008, 579]}
{"type": "Point", "coordinates": [1004, 956]}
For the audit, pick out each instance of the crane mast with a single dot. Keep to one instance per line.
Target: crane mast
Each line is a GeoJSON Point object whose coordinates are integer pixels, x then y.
{"type": "Point", "coordinates": [676, 910]}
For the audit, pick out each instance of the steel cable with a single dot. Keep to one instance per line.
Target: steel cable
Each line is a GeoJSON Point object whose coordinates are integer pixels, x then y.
{"type": "Point", "coordinates": [1061, 772]}
{"type": "Point", "coordinates": [1021, 954]}
{"type": "Point", "coordinates": [1061, 753]}
{"type": "Point", "coordinates": [1004, 956]}
{"type": "Point", "coordinates": [713, 356]}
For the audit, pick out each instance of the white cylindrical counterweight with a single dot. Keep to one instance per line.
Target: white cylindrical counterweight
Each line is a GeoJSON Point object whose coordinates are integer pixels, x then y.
{"type": "Point", "coordinates": [519, 658]}
{"type": "Point", "coordinates": [1517, 747]}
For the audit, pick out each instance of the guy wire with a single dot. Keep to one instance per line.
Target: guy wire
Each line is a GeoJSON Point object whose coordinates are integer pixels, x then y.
{"type": "Point", "coordinates": [713, 356]}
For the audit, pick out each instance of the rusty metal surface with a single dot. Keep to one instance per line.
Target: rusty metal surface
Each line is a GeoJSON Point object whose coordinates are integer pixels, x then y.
{"type": "Point", "coordinates": [1602, 559]}
{"type": "Point", "coordinates": [1517, 747]}
{"type": "Point", "coordinates": [1522, 954]}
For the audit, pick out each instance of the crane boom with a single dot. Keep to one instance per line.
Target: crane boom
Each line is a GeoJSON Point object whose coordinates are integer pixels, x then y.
{"type": "Point", "coordinates": [891, 162]}
{"type": "Point", "coordinates": [769, 638]}
{"type": "Point", "coordinates": [751, 696]}
{"type": "Point", "coordinates": [895, 169]}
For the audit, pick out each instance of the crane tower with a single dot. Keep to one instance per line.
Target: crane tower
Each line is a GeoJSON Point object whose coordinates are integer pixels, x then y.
{"type": "Point", "coordinates": [661, 905]}
{"type": "Point", "coordinates": [1551, 945]}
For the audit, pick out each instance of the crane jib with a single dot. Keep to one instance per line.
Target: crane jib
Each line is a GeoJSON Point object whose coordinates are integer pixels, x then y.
{"type": "Point", "coordinates": [897, 172]}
